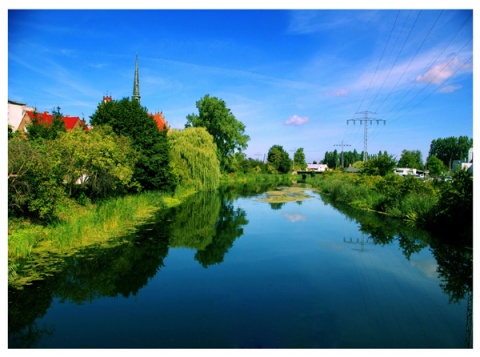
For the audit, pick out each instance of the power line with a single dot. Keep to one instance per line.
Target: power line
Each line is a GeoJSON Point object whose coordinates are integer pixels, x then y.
{"type": "Point", "coordinates": [398, 55]}
{"type": "Point", "coordinates": [379, 61]}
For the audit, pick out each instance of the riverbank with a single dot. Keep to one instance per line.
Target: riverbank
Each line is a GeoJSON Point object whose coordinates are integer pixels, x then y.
{"type": "Point", "coordinates": [34, 249]}
{"type": "Point", "coordinates": [31, 245]}
{"type": "Point", "coordinates": [432, 205]}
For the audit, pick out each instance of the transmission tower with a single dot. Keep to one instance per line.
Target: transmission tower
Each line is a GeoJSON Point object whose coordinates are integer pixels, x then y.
{"type": "Point", "coordinates": [365, 121]}
{"type": "Point", "coordinates": [342, 145]}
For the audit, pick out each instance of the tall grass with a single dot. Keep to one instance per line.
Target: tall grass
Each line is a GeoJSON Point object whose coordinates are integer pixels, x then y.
{"type": "Point", "coordinates": [406, 198]}
{"type": "Point", "coordinates": [80, 226]}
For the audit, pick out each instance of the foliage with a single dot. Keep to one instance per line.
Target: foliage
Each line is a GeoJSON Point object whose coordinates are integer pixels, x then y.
{"type": "Point", "coordinates": [227, 131]}
{"type": "Point", "coordinates": [39, 130]}
{"type": "Point", "coordinates": [451, 148]}
{"type": "Point", "coordinates": [128, 118]}
{"type": "Point", "coordinates": [333, 159]}
{"type": "Point", "coordinates": [455, 207]}
{"type": "Point", "coordinates": [411, 159]}
{"type": "Point", "coordinates": [98, 163]}
{"type": "Point", "coordinates": [435, 165]}
{"type": "Point", "coordinates": [194, 158]}
{"type": "Point", "coordinates": [279, 159]}
{"type": "Point", "coordinates": [34, 188]}
{"type": "Point", "coordinates": [380, 164]}
{"type": "Point", "coordinates": [299, 160]}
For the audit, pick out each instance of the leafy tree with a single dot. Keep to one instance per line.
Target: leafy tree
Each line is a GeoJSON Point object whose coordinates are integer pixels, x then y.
{"type": "Point", "coordinates": [127, 118]}
{"type": "Point", "coordinates": [194, 158]}
{"type": "Point", "coordinates": [47, 131]}
{"type": "Point", "coordinates": [381, 165]}
{"type": "Point", "coordinates": [451, 148]}
{"type": "Point", "coordinates": [331, 159]}
{"type": "Point", "coordinates": [411, 159]}
{"type": "Point", "coordinates": [455, 207]}
{"type": "Point", "coordinates": [227, 131]}
{"type": "Point", "coordinates": [98, 163]}
{"type": "Point", "coordinates": [435, 165]}
{"type": "Point", "coordinates": [299, 159]}
{"type": "Point", "coordinates": [34, 189]}
{"type": "Point", "coordinates": [279, 159]}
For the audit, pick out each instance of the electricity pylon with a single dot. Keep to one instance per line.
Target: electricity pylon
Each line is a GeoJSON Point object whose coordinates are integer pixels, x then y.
{"type": "Point", "coordinates": [365, 121]}
{"type": "Point", "coordinates": [342, 145]}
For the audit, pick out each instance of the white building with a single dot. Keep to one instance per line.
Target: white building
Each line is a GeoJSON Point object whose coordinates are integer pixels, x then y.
{"type": "Point", "coordinates": [16, 112]}
{"type": "Point", "coordinates": [317, 167]}
{"type": "Point", "coordinates": [405, 171]}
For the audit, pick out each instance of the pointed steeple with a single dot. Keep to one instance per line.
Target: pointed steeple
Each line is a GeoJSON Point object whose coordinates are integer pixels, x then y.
{"type": "Point", "coordinates": [136, 83]}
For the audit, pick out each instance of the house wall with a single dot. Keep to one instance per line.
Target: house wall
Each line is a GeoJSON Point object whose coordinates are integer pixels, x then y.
{"type": "Point", "coordinates": [16, 111]}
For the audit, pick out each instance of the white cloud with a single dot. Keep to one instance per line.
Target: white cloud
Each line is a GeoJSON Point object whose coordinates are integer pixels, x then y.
{"type": "Point", "coordinates": [295, 217]}
{"type": "Point", "coordinates": [440, 72]}
{"type": "Point", "coordinates": [450, 89]}
{"type": "Point", "coordinates": [296, 120]}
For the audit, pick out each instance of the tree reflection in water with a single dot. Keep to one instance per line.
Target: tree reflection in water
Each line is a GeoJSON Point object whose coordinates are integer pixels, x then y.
{"type": "Point", "coordinates": [208, 223]}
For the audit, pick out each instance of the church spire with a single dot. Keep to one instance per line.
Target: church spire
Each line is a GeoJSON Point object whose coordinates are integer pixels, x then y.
{"type": "Point", "coordinates": [136, 83]}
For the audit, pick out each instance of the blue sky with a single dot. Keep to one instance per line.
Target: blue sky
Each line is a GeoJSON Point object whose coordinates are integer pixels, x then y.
{"type": "Point", "coordinates": [293, 77]}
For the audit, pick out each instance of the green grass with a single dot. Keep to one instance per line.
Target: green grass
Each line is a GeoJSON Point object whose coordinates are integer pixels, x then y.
{"type": "Point", "coordinates": [81, 226]}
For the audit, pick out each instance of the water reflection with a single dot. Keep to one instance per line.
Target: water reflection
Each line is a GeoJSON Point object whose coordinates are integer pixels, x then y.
{"type": "Point", "coordinates": [209, 223]}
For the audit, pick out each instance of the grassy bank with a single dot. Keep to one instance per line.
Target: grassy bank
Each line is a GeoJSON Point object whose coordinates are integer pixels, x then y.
{"type": "Point", "coordinates": [80, 226]}
{"type": "Point", "coordinates": [400, 197]}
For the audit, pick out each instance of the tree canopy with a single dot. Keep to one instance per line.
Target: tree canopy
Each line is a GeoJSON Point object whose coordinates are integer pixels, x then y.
{"type": "Point", "coordinates": [380, 164]}
{"type": "Point", "coordinates": [435, 165]}
{"type": "Point", "coordinates": [411, 159]}
{"type": "Point", "coordinates": [299, 159]}
{"type": "Point", "coordinates": [279, 159]}
{"type": "Point", "coordinates": [127, 118]}
{"type": "Point", "coordinates": [227, 131]}
{"type": "Point", "coordinates": [451, 148]}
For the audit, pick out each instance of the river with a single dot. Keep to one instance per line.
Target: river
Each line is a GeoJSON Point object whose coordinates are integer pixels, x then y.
{"type": "Point", "coordinates": [229, 270]}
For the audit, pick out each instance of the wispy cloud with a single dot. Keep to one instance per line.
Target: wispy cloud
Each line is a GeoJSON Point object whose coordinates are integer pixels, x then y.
{"type": "Point", "coordinates": [450, 89]}
{"type": "Point", "coordinates": [296, 120]}
{"type": "Point", "coordinates": [440, 72]}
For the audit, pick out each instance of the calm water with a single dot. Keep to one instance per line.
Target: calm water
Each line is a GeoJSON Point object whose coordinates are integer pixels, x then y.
{"type": "Point", "coordinates": [229, 271]}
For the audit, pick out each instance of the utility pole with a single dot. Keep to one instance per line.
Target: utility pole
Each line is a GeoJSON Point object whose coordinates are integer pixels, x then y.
{"type": "Point", "coordinates": [342, 145]}
{"type": "Point", "coordinates": [365, 121]}
{"type": "Point", "coordinates": [293, 158]}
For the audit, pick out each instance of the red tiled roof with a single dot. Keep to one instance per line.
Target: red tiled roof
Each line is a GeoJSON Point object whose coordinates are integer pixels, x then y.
{"type": "Point", "coordinates": [46, 118]}
{"type": "Point", "coordinates": [160, 120]}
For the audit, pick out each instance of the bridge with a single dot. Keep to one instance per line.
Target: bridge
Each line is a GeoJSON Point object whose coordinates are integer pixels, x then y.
{"type": "Point", "coordinates": [304, 173]}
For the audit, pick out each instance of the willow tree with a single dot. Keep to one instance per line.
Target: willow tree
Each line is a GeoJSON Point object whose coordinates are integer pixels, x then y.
{"type": "Point", "coordinates": [194, 160]}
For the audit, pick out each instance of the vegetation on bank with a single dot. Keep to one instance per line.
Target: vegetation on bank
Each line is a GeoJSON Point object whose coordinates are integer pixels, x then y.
{"type": "Point", "coordinates": [438, 206]}
{"type": "Point", "coordinates": [71, 189]}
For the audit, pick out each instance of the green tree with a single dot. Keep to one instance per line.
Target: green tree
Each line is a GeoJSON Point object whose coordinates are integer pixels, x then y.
{"type": "Point", "coordinates": [455, 207]}
{"type": "Point", "coordinates": [279, 159]}
{"type": "Point", "coordinates": [98, 163]}
{"type": "Point", "coordinates": [411, 159]}
{"type": "Point", "coordinates": [331, 159]}
{"type": "Point", "coordinates": [299, 159]}
{"type": "Point", "coordinates": [435, 165]}
{"type": "Point", "coordinates": [194, 158]}
{"type": "Point", "coordinates": [34, 188]}
{"type": "Point", "coordinates": [451, 148]}
{"type": "Point", "coordinates": [39, 129]}
{"type": "Point", "coordinates": [227, 131]}
{"type": "Point", "coordinates": [380, 164]}
{"type": "Point", "coordinates": [127, 118]}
